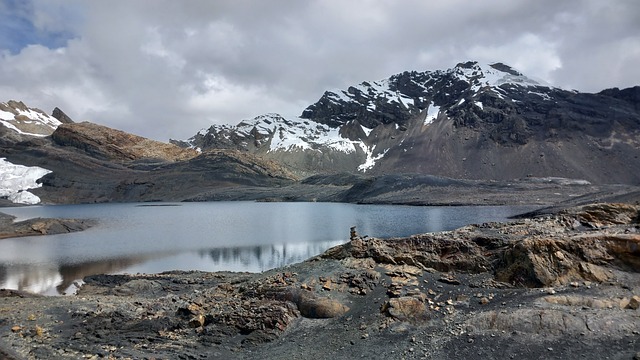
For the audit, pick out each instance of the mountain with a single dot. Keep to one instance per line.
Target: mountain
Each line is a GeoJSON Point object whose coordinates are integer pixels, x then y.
{"type": "Point", "coordinates": [18, 123]}
{"type": "Point", "coordinates": [15, 115]}
{"type": "Point", "coordinates": [473, 121]}
{"type": "Point", "coordinates": [476, 133]}
{"type": "Point", "coordinates": [52, 159]}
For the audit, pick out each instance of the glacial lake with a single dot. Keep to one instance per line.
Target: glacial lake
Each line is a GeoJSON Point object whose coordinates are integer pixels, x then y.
{"type": "Point", "coordinates": [210, 236]}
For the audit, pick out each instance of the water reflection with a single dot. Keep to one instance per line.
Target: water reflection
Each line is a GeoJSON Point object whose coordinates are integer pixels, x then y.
{"type": "Point", "coordinates": [261, 258]}
{"type": "Point", "coordinates": [51, 279]}
{"type": "Point", "coordinates": [224, 236]}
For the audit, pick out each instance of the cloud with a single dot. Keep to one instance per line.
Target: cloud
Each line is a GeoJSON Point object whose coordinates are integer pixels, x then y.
{"type": "Point", "coordinates": [165, 69]}
{"type": "Point", "coordinates": [529, 54]}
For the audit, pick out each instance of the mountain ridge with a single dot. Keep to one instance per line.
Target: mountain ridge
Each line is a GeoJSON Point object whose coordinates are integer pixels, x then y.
{"type": "Point", "coordinates": [86, 162]}
{"type": "Point", "coordinates": [438, 122]}
{"type": "Point", "coordinates": [473, 128]}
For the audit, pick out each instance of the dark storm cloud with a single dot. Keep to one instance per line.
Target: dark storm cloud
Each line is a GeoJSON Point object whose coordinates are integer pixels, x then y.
{"type": "Point", "coordinates": [166, 68]}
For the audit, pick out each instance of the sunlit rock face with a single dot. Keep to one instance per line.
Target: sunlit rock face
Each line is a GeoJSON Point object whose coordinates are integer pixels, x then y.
{"type": "Point", "coordinates": [112, 144]}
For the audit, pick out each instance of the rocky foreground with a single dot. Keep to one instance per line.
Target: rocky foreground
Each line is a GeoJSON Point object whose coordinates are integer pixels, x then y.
{"type": "Point", "coordinates": [554, 286]}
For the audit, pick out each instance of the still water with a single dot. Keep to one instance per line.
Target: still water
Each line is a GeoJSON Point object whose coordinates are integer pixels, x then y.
{"type": "Point", "coordinates": [213, 236]}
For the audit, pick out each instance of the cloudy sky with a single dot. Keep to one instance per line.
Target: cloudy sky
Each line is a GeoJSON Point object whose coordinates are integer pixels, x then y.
{"type": "Point", "coordinates": [166, 69]}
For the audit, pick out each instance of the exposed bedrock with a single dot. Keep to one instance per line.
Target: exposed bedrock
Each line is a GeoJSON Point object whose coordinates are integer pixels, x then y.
{"type": "Point", "coordinates": [576, 245]}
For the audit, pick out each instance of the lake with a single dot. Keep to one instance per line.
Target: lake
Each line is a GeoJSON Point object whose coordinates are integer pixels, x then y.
{"type": "Point", "coordinates": [209, 236]}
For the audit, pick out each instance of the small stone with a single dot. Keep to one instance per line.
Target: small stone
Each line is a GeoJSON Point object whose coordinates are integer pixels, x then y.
{"type": "Point", "coordinates": [575, 284]}
{"type": "Point", "coordinates": [39, 331]}
{"type": "Point", "coordinates": [16, 328]}
{"type": "Point", "coordinates": [551, 291]}
{"type": "Point", "coordinates": [483, 301]}
{"type": "Point", "coordinates": [449, 280]}
{"type": "Point", "coordinates": [624, 302]}
{"type": "Point", "coordinates": [634, 303]}
{"type": "Point", "coordinates": [197, 321]}
{"type": "Point", "coordinates": [31, 317]}
{"type": "Point", "coordinates": [365, 336]}
{"type": "Point", "coordinates": [327, 285]}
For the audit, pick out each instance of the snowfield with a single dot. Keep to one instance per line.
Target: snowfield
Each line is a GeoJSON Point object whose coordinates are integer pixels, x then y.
{"type": "Point", "coordinates": [28, 117]}
{"type": "Point", "coordinates": [15, 180]}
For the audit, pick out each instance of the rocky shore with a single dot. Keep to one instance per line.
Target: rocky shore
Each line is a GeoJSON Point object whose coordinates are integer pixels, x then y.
{"type": "Point", "coordinates": [40, 226]}
{"type": "Point", "coordinates": [562, 285]}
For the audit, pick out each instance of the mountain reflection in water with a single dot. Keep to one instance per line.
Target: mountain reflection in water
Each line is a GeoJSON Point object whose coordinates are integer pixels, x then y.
{"type": "Point", "coordinates": [220, 236]}
{"type": "Point", "coordinates": [63, 279]}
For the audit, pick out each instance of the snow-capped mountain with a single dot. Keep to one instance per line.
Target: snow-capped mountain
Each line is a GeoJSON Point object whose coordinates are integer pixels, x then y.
{"type": "Point", "coordinates": [17, 123]}
{"type": "Point", "coordinates": [475, 121]}
{"type": "Point", "coordinates": [18, 117]}
{"type": "Point", "coordinates": [398, 98]}
{"type": "Point", "coordinates": [85, 162]}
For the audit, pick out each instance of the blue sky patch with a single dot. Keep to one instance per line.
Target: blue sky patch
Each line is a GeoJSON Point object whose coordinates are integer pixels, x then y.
{"type": "Point", "coordinates": [17, 29]}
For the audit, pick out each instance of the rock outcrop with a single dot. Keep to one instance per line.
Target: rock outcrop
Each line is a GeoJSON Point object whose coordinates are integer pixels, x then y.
{"type": "Point", "coordinates": [61, 116]}
{"type": "Point", "coordinates": [115, 145]}
{"type": "Point", "coordinates": [539, 252]}
{"type": "Point", "coordinates": [40, 226]}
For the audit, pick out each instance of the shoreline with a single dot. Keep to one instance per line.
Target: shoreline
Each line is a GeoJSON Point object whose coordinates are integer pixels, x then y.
{"type": "Point", "coordinates": [554, 286]}
{"type": "Point", "coordinates": [40, 226]}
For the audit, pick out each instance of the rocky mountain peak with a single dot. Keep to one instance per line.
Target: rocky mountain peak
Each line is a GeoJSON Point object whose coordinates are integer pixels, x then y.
{"type": "Point", "coordinates": [492, 74]}
{"type": "Point", "coordinates": [472, 121]}
{"type": "Point", "coordinates": [61, 116]}
{"type": "Point", "coordinates": [23, 120]}
{"type": "Point", "coordinates": [405, 95]}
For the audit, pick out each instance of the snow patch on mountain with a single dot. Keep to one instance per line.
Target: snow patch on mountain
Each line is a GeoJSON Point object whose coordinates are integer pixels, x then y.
{"type": "Point", "coordinates": [493, 75]}
{"type": "Point", "coordinates": [27, 121]}
{"type": "Point", "coordinates": [297, 133]}
{"type": "Point", "coordinates": [371, 159]}
{"type": "Point", "coordinates": [366, 130]}
{"type": "Point", "coordinates": [15, 180]}
{"type": "Point", "coordinates": [544, 96]}
{"type": "Point", "coordinates": [432, 114]}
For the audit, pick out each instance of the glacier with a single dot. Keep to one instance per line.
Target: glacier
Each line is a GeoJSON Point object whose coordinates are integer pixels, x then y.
{"type": "Point", "coordinates": [15, 180]}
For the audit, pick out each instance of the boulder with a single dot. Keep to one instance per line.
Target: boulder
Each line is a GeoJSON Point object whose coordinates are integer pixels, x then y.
{"type": "Point", "coordinates": [406, 308]}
